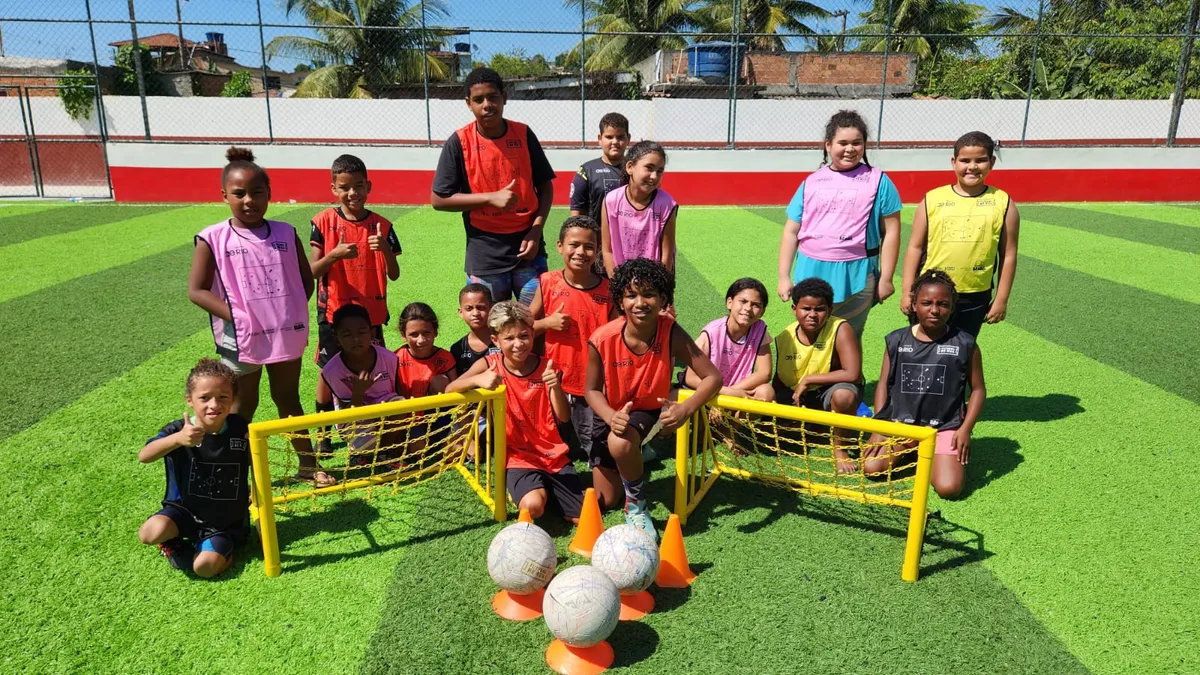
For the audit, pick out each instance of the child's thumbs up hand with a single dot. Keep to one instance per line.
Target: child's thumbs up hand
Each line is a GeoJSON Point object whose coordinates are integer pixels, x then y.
{"type": "Point", "coordinates": [558, 320]}
{"type": "Point", "coordinates": [620, 419]}
{"type": "Point", "coordinates": [550, 375]}
{"type": "Point", "coordinates": [376, 242]}
{"type": "Point", "coordinates": [504, 198]}
{"type": "Point", "coordinates": [190, 435]}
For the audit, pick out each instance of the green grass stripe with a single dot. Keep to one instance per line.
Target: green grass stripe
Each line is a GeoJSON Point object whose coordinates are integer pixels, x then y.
{"type": "Point", "coordinates": [73, 524]}
{"type": "Point", "coordinates": [1176, 214]}
{"type": "Point", "coordinates": [25, 227]}
{"type": "Point", "coordinates": [1147, 335]}
{"type": "Point", "coordinates": [1090, 487]}
{"type": "Point", "coordinates": [785, 585]}
{"type": "Point", "coordinates": [8, 209]}
{"type": "Point", "coordinates": [1141, 230]}
{"type": "Point", "coordinates": [113, 326]}
{"type": "Point", "coordinates": [1151, 268]}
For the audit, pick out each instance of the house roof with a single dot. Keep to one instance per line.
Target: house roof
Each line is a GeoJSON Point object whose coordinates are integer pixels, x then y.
{"type": "Point", "coordinates": [161, 40]}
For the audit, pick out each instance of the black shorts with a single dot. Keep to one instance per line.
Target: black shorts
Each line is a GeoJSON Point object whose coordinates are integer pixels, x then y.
{"type": "Point", "coordinates": [577, 433]}
{"type": "Point", "coordinates": [641, 421]}
{"type": "Point", "coordinates": [200, 535]}
{"type": "Point", "coordinates": [564, 487]}
{"type": "Point", "coordinates": [820, 398]}
{"type": "Point", "coordinates": [327, 344]}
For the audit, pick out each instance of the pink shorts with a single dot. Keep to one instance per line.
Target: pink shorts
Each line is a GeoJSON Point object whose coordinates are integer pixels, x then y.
{"type": "Point", "coordinates": [945, 443]}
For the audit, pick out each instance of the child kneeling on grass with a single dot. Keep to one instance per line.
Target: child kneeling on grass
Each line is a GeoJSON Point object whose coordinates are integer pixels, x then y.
{"type": "Point", "coordinates": [205, 510]}
{"type": "Point", "coordinates": [537, 463]}
{"type": "Point", "coordinates": [629, 379]}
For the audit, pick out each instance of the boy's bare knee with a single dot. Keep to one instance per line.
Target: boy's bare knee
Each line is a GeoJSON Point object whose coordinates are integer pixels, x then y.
{"type": "Point", "coordinates": [948, 488]}
{"type": "Point", "coordinates": [620, 446]}
{"type": "Point", "coordinates": [843, 401]}
{"type": "Point", "coordinates": [208, 564]}
{"type": "Point", "coordinates": [534, 503]}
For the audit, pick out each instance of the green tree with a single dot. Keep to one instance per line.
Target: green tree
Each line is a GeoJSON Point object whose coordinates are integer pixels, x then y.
{"type": "Point", "coordinates": [78, 92]}
{"type": "Point", "coordinates": [662, 21]}
{"type": "Point", "coordinates": [238, 86]}
{"type": "Point", "coordinates": [760, 16]}
{"type": "Point", "coordinates": [913, 25]}
{"type": "Point", "coordinates": [515, 63]}
{"type": "Point", "coordinates": [126, 80]}
{"type": "Point", "coordinates": [358, 53]}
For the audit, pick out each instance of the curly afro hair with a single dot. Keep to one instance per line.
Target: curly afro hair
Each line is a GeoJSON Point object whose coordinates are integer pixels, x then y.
{"type": "Point", "coordinates": [642, 272]}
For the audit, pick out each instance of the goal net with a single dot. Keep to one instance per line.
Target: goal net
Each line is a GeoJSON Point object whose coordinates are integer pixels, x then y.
{"type": "Point", "coordinates": [376, 450]}
{"type": "Point", "coordinates": [812, 452]}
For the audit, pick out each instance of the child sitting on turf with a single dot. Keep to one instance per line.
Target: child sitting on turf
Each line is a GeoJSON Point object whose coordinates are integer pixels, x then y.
{"type": "Point", "coordinates": [251, 276]}
{"type": "Point", "coordinates": [639, 220]}
{"type": "Point", "coordinates": [819, 361]}
{"type": "Point", "coordinates": [629, 379]}
{"type": "Point", "coordinates": [205, 509]}
{"type": "Point", "coordinates": [537, 463]}
{"type": "Point", "coordinates": [352, 255]}
{"type": "Point", "coordinates": [959, 229]}
{"type": "Point", "coordinates": [737, 344]}
{"type": "Point", "coordinates": [474, 303]}
{"type": "Point", "coordinates": [570, 305]}
{"type": "Point", "coordinates": [424, 368]}
{"type": "Point", "coordinates": [362, 372]}
{"type": "Point", "coordinates": [926, 370]}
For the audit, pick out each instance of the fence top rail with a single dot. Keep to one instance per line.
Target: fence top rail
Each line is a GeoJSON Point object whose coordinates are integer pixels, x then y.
{"type": "Point", "coordinates": [884, 427]}
{"type": "Point", "coordinates": [410, 405]}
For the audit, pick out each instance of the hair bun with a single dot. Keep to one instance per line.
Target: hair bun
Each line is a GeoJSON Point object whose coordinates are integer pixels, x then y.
{"type": "Point", "coordinates": [236, 154]}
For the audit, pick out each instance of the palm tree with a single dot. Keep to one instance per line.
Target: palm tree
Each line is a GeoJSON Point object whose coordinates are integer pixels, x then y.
{"type": "Point", "coordinates": [912, 24]}
{"type": "Point", "coordinates": [357, 53]}
{"type": "Point", "coordinates": [761, 16]}
{"type": "Point", "coordinates": [664, 20]}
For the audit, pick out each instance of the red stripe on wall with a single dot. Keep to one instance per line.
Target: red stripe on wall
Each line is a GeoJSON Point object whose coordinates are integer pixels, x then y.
{"type": "Point", "coordinates": [148, 184]}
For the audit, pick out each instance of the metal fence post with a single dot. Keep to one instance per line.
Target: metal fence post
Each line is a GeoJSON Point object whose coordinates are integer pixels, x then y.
{"type": "Point", "coordinates": [1185, 58]}
{"type": "Point", "coordinates": [137, 67]}
{"type": "Point", "coordinates": [1037, 37]}
{"type": "Point", "coordinates": [582, 74]}
{"type": "Point", "coordinates": [735, 68]}
{"type": "Point", "coordinates": [101, 122]}
{"type": "Point", "coordinates": [883, 83]}
{"type": "Point", "coordinates": [425, 77]}
{"type": "Point", "coordinates": [262, 44]}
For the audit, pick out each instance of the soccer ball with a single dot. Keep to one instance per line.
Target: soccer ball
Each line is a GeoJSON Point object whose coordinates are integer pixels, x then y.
{"type": "Point", "coordinates": [628, 555]}
{"type": "Point", "coordinates": [522, 558]}
{"type": "Point", "coordinates": [582, 606]}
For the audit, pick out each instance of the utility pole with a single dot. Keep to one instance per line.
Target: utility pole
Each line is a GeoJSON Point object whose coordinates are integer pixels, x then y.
{"type": "Point", "coordinates": [179, 24]}
{"type": "Point", "coordinates": [841, 41]}
{"type": "Point", "coordinates": [137, 67]}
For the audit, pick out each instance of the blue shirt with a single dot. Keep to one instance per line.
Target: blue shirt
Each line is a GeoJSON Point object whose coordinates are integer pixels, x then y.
{"type": "Point", "coordinates": [849, 276]}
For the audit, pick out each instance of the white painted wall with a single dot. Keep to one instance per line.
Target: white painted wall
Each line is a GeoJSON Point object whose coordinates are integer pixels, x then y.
{"type": "Point", "coordinates": [671, 120]}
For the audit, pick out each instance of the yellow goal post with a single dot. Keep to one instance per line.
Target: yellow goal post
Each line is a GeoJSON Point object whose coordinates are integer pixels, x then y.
{"type": "Point", "coordinates": [379, 448]}
{"type": "Point", "coordinates": [800, 449]}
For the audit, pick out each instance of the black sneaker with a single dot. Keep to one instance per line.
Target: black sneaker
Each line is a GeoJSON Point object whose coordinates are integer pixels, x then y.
{"type": "Point", "coordinates": [178, 554]}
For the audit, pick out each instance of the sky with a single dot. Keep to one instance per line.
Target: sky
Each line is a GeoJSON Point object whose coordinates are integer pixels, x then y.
{"type": "Point", "coordinates": [541, 17]}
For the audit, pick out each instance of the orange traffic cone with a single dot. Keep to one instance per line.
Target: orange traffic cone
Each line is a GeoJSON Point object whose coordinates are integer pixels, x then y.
{"type": "Point", "coordinates": [673, 569]}
{"type": "Point", "coordinates": [636, 605]}
{"type": "Point", "coordinates": [568, 660]}
{"type": "Point", "coordinates": [590, 527]}
{"type": "Point", "coordinates": [525, 517]}
{"type": "Point", "coordinates": [519, 606]}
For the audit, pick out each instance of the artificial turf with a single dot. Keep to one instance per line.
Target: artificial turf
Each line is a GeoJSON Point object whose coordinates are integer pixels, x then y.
{"type": "Point", "coordinates": [1072, 552]}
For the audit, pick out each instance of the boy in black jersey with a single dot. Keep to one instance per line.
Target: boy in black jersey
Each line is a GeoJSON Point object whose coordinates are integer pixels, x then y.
{"type": "Point", "coordinates": [596, 177]}
{"type": "Point", "coordinates": [205, 510]}
{"type": "Point", "coordinates": [474, 303]}
{"type": "Point", "coordinates": [926, 371]}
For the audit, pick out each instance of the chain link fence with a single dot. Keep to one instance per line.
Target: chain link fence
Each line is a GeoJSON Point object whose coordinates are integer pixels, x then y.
{"type": "Point", "coordinates": [697, 73]}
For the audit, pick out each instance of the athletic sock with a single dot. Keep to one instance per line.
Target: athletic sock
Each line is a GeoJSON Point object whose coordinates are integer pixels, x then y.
{"type": "Point", "coordinates": [633, 489]}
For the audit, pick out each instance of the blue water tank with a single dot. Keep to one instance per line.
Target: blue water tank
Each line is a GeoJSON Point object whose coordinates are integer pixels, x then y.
{"type": "Point", "coordinates": [214, 38]}
{"type": "Point", "coordinates": [711, 61]}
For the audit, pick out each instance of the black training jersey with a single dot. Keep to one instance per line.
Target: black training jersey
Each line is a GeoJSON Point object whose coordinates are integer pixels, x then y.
{"type": "Point", "coordinates": [927, 382]}
{"type": "Point", "coordinates": [210, 481]}
{"type": "Point", "coordinates": [465, 357]}
{"type": "Point", "coordinates": [592, 181]}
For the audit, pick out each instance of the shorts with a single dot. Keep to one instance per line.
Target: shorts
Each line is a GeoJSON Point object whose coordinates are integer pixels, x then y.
{"type": "Point", "coordinates": [239, 369]}
{"type": "Point", "coordinates": [521, 281]}
{"type": "Point", "coordinates": [641, 421]}
{"type": "Point", "coordinates": [201, 536]}
{"type": "Point", "coordinates": [820, 398]}
{"type": "Point", "coordinates": [564, 487]}
{"type": "Point", "coordinates": [362, 436]}
{"type": "Point", "coordinates": [327, 344]}
{"type": "Point", "coordinates": [577, 433]}
{"type": "Point", "coordinates": [945, 442]}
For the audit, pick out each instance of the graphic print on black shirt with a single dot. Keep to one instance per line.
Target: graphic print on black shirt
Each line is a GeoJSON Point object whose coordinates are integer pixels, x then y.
{"type": "Point", "coordinates": [210, 481]}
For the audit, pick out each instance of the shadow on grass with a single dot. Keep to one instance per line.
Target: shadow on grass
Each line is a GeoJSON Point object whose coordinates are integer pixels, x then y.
{"type": "Point", "coordinates": [946, 546]}
{"type": "Point", "coordinates": [1045, 408]}
{"type": "Point", "coordinates": [632, 642]}
{"type": "Point", "coordinates": [451, 512]}
{"type": "Point", "coordinates": [991, 458]}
